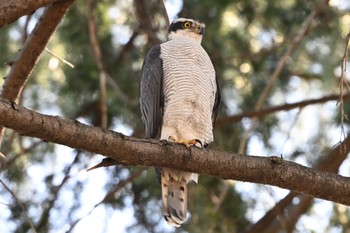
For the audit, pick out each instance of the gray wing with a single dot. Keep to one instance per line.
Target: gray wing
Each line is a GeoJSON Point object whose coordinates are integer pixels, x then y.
{"type": "Point", "coordinates": [216, 102]}
{"type": "Point", "coordinates": [152, 99]}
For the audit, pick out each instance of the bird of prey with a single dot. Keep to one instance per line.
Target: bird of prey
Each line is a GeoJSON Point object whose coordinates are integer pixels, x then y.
{"type": "Point", "coordinates": [179, 102]}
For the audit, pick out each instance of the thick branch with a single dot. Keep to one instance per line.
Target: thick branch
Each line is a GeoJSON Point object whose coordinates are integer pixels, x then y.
{"type": "Point", "coordinates": [133, 151]}
{"type": "Point", "coordinates": [11, 10]}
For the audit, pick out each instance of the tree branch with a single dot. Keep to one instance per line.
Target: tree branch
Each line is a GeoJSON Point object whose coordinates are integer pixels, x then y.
{"type": "Point", "coordinates": [11, 10]}
{"type": "Point", "coordinates": [31, 51]}
{"type": "Point", "coordinates": [284, 107]}
{"type": "Point", "coordinates": [132, 151]}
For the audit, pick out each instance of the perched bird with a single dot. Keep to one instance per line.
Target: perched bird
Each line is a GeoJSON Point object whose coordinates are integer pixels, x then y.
{"type": "Point", "coordinates": [179, 102]}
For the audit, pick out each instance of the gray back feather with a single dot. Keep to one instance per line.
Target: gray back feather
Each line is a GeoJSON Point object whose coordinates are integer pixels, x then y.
{"type": "Point", "coordinates": [152, 102]}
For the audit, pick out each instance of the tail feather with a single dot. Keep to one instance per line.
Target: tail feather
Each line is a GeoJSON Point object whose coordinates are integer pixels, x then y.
{"type": "Point", "coordinates": [174, 198]}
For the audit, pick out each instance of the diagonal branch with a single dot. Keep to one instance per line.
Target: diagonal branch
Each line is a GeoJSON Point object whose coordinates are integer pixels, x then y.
{"type": "Point", "coordinates": [33, 48]}
{"type": "Point", "coordinates": [11, 10]}
{"type": "Point", "coordinates": [132, 151]}
{"type": "Point", "coordinates": [31, 51]}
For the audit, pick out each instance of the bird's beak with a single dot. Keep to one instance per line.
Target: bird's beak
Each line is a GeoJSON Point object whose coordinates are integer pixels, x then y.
{"type": "Point", "coordinates": [200, 30]}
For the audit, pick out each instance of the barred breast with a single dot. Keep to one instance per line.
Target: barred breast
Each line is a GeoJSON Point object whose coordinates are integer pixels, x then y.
{"type": "Point", "coordinates": [189, 88]}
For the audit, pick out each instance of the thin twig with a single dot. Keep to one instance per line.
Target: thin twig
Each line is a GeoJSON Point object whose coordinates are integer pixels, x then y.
{"type": "Point", "coordinates": [59, 58]}
{"type": "Point", "coordinates": [21, 205]}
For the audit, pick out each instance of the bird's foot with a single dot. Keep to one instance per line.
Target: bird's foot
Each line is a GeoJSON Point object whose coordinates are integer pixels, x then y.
{"type": "Point", "coordinates": [186, 143]}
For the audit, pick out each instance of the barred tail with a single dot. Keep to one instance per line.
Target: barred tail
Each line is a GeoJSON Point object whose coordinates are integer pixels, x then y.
{"type": "Point", "coordinates": [174, 198]}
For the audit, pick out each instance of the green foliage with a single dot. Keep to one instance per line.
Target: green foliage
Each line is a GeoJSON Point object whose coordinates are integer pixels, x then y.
{"type": "Point", "coordinates": [245, 40]}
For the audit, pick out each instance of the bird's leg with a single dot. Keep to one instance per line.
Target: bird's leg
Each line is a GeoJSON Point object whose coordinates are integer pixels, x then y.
{"type": "Point", "coordinates": [186, 143]}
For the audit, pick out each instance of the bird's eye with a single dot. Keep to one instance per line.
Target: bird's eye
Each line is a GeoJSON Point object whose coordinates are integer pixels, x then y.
{"type": "Point", "coordinates": [187, 25]}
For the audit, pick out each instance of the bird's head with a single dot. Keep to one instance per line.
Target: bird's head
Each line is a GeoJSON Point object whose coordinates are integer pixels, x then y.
{"type": "Point", "coordinates": [187, 28]}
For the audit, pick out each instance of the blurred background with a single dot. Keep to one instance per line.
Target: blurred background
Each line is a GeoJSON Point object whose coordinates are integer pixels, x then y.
{"type": "Point", "coordinates": [267, 54]}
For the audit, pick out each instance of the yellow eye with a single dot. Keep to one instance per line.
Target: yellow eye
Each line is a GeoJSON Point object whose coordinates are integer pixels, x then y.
{"type": "Point", "coordinates": [187, 25]}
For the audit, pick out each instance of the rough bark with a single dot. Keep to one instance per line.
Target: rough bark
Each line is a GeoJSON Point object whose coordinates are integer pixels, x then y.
{"type": "Point", "coordinates": [11, 10]}
{"type": "Point", "coordinates": [132, 151]}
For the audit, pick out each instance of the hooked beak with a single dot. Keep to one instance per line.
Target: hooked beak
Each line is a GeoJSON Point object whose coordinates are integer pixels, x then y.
{"type": "Point", "coordinates": [200, 30]}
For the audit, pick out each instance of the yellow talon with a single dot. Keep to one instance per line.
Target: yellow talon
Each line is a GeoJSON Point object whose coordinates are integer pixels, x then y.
{"type": "Point", "coordinates": [186, 143]}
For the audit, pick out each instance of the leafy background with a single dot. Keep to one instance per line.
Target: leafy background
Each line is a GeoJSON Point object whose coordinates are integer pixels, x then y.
{"type": "Point", "coordinates": [246, 41]}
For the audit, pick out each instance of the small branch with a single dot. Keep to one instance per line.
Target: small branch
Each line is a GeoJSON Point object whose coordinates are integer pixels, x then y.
{"type": "Point", "coordinates": [20, 205]}
{"type": "Point", "coordinates": [140, 152]}
{"type": "Point", "coordinates": [59, 58]}
{"type": "Point", "coordinates": [284, 107]}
